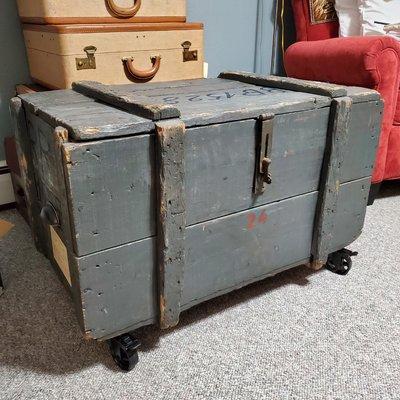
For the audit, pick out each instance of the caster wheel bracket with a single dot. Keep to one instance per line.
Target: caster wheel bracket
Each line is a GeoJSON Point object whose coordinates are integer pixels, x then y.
{"type": "Point", "coordinates": [340, 262]}
{"type": "Point", "coordinates": [124, 350]}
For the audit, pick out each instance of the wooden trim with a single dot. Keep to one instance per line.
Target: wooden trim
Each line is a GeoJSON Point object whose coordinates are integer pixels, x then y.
{"type": "Point", "coordinates": [24, 151]}
{"type": "Point", "coordinates": [106, 94]}
{"type": "Point", "coordinates": [325, 215]}
{"type": "Point", "coordinates": [171, 219]}
{"type": "Point", "coordinates": [98, 20]}
{"type": "Point", "coordinates": [280, 82]}
{"type": "Point", "coordinates": [121, 27]}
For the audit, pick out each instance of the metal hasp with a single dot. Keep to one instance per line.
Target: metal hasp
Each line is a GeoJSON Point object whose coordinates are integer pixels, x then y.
{"type": "Point", "coordinates": [189, 55]}
{"type": "Point", "coordinates": [263, 162]}
{"type": "Point", "coordinates": [89, 62]}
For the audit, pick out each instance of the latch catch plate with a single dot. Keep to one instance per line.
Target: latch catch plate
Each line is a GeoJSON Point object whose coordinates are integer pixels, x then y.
{"type": "Point", "coordinates": [89, 62]}
{"type": "Point", "coordinates": [189, 55]}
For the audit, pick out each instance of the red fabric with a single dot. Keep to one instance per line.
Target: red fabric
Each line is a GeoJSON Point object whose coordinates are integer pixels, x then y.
{"type": "Point", "coordinates": [371, 61]}
{"type": "Point", "coordinates": [392, 170]}
{"type": "Point", "coordinates": [305, 30]}
{"type": "Point", "coordinates": [397, 112]}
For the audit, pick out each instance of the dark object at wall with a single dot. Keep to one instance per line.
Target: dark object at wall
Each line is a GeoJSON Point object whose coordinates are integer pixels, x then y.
{"type": "Point", "coordinates": [12, 163]}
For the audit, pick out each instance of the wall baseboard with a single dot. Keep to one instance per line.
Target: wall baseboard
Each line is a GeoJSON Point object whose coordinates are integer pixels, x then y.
{"type": "Point", "coordinates": [6, 189]}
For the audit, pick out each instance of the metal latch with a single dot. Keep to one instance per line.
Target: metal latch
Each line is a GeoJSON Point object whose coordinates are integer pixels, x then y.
{"type": "Point", "coordinates": [189, 55]}
{"type": "Point", "coordinates": [263, 161]}
{"type": "Point", "coordinates": [89, 62]}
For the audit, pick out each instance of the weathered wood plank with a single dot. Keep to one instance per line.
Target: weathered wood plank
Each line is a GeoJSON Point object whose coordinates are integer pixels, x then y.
{"type": "Point", "coordinates": [60, 137]}
{"type": "Point", "coordinates": [362, 95]}
{"type": "Point", "coordinates": [201, 102]}
{"type": "Point", "coordinates": [220, 165]}
{"type": "Point", "coordinates": [171, 219]}
{"type": "Point", "coordinates": [320, 88]}
{"type": "Point", "coordinates": [326, 211]}
{"type": "Point", "coordinates": [175, 87]}
{"type": "Point", "coordinates": [25, 159]}
{"type": "Point", "coordinates": [364, 131]}
{"type": "Point", "coordinates": [153, 111]}
{"type": "Point", "coordinates": [112, 195]}
{"type": "Point", "coordinates": [222, 255]}
{"type": "Point", "coordinates": [84, 118]}
{"type": "Point", "coordinates": [207, 102]}
{"type": "Point", "coordinates": [350, 213]}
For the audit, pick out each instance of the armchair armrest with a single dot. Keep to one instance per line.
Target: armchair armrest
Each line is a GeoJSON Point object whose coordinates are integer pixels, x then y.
{"type": "Point", "coordinates": [353, 61]}
{"type": "Point", "coordinates": [369, 61]}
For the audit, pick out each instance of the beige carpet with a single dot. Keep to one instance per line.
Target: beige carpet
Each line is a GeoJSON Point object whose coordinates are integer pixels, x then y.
{"type": "Point", "coordinates": [300, 335]}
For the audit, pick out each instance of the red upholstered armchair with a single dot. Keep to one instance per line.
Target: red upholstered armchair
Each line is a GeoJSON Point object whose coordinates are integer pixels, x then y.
{"type": "Point", "coordinates": [370, 61]}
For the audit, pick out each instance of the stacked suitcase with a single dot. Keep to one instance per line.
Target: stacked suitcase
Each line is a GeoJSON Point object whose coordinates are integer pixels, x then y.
{"type": "Point", "coordinates": [110, 41]}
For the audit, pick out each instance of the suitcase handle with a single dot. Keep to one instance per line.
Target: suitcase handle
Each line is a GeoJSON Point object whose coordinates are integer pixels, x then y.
{"type": "Point", "coordinates": [124, 12]}
{"type": "Point", "coordinates": [141, 75]}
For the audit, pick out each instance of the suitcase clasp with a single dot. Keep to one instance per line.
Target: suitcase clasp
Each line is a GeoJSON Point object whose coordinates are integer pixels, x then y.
{"type": "Point", "coordinates": [263, 162]}
{"type": "Point", "coordinates": [89, 62]}
{"type": "Point", "coordinates": [189, 55]}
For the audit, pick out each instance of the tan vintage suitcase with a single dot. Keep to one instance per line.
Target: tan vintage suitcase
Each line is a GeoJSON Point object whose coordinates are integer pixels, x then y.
{"type": "Point", "coordinates": [101, 11]}
{"type": "Point", "coordinates": [114, 53]}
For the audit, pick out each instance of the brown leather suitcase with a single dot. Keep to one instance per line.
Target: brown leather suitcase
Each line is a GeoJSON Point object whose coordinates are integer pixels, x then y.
{"type": "Point", "coordinates": [101, 11]}
{"type": "Point", "coordinates": [114, 53]}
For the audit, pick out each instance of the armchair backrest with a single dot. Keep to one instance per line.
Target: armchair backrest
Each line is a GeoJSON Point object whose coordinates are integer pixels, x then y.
{"type": "Point", "coordinates": [315, 19]}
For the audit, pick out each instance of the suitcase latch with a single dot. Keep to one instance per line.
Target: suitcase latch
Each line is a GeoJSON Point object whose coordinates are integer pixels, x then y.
{"type": "Point", "coordinates": [264, 148]}
{"type": "Point", "coordinates": [189, 55]}
{"type": "Point", "coordinates": [89, 62]}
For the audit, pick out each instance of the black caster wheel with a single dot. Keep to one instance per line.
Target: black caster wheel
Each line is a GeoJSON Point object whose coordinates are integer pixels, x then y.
{"type": "Point", "coordinates": [340, 262]}
{"type": "Point", "coordinates": [124, 351]}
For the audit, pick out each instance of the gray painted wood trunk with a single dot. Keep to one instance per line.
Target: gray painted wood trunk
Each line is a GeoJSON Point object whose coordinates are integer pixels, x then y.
{"type": "Point", "coordinates": [152, 187]}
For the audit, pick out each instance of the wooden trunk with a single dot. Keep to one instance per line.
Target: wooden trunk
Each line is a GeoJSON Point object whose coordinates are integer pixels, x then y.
{"type": "Point", "coordinates": [101, 11]}
{"type": "Point", "coordinates": [114, 54]}
{"type": "Point", "coordinates": [156, 197]}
